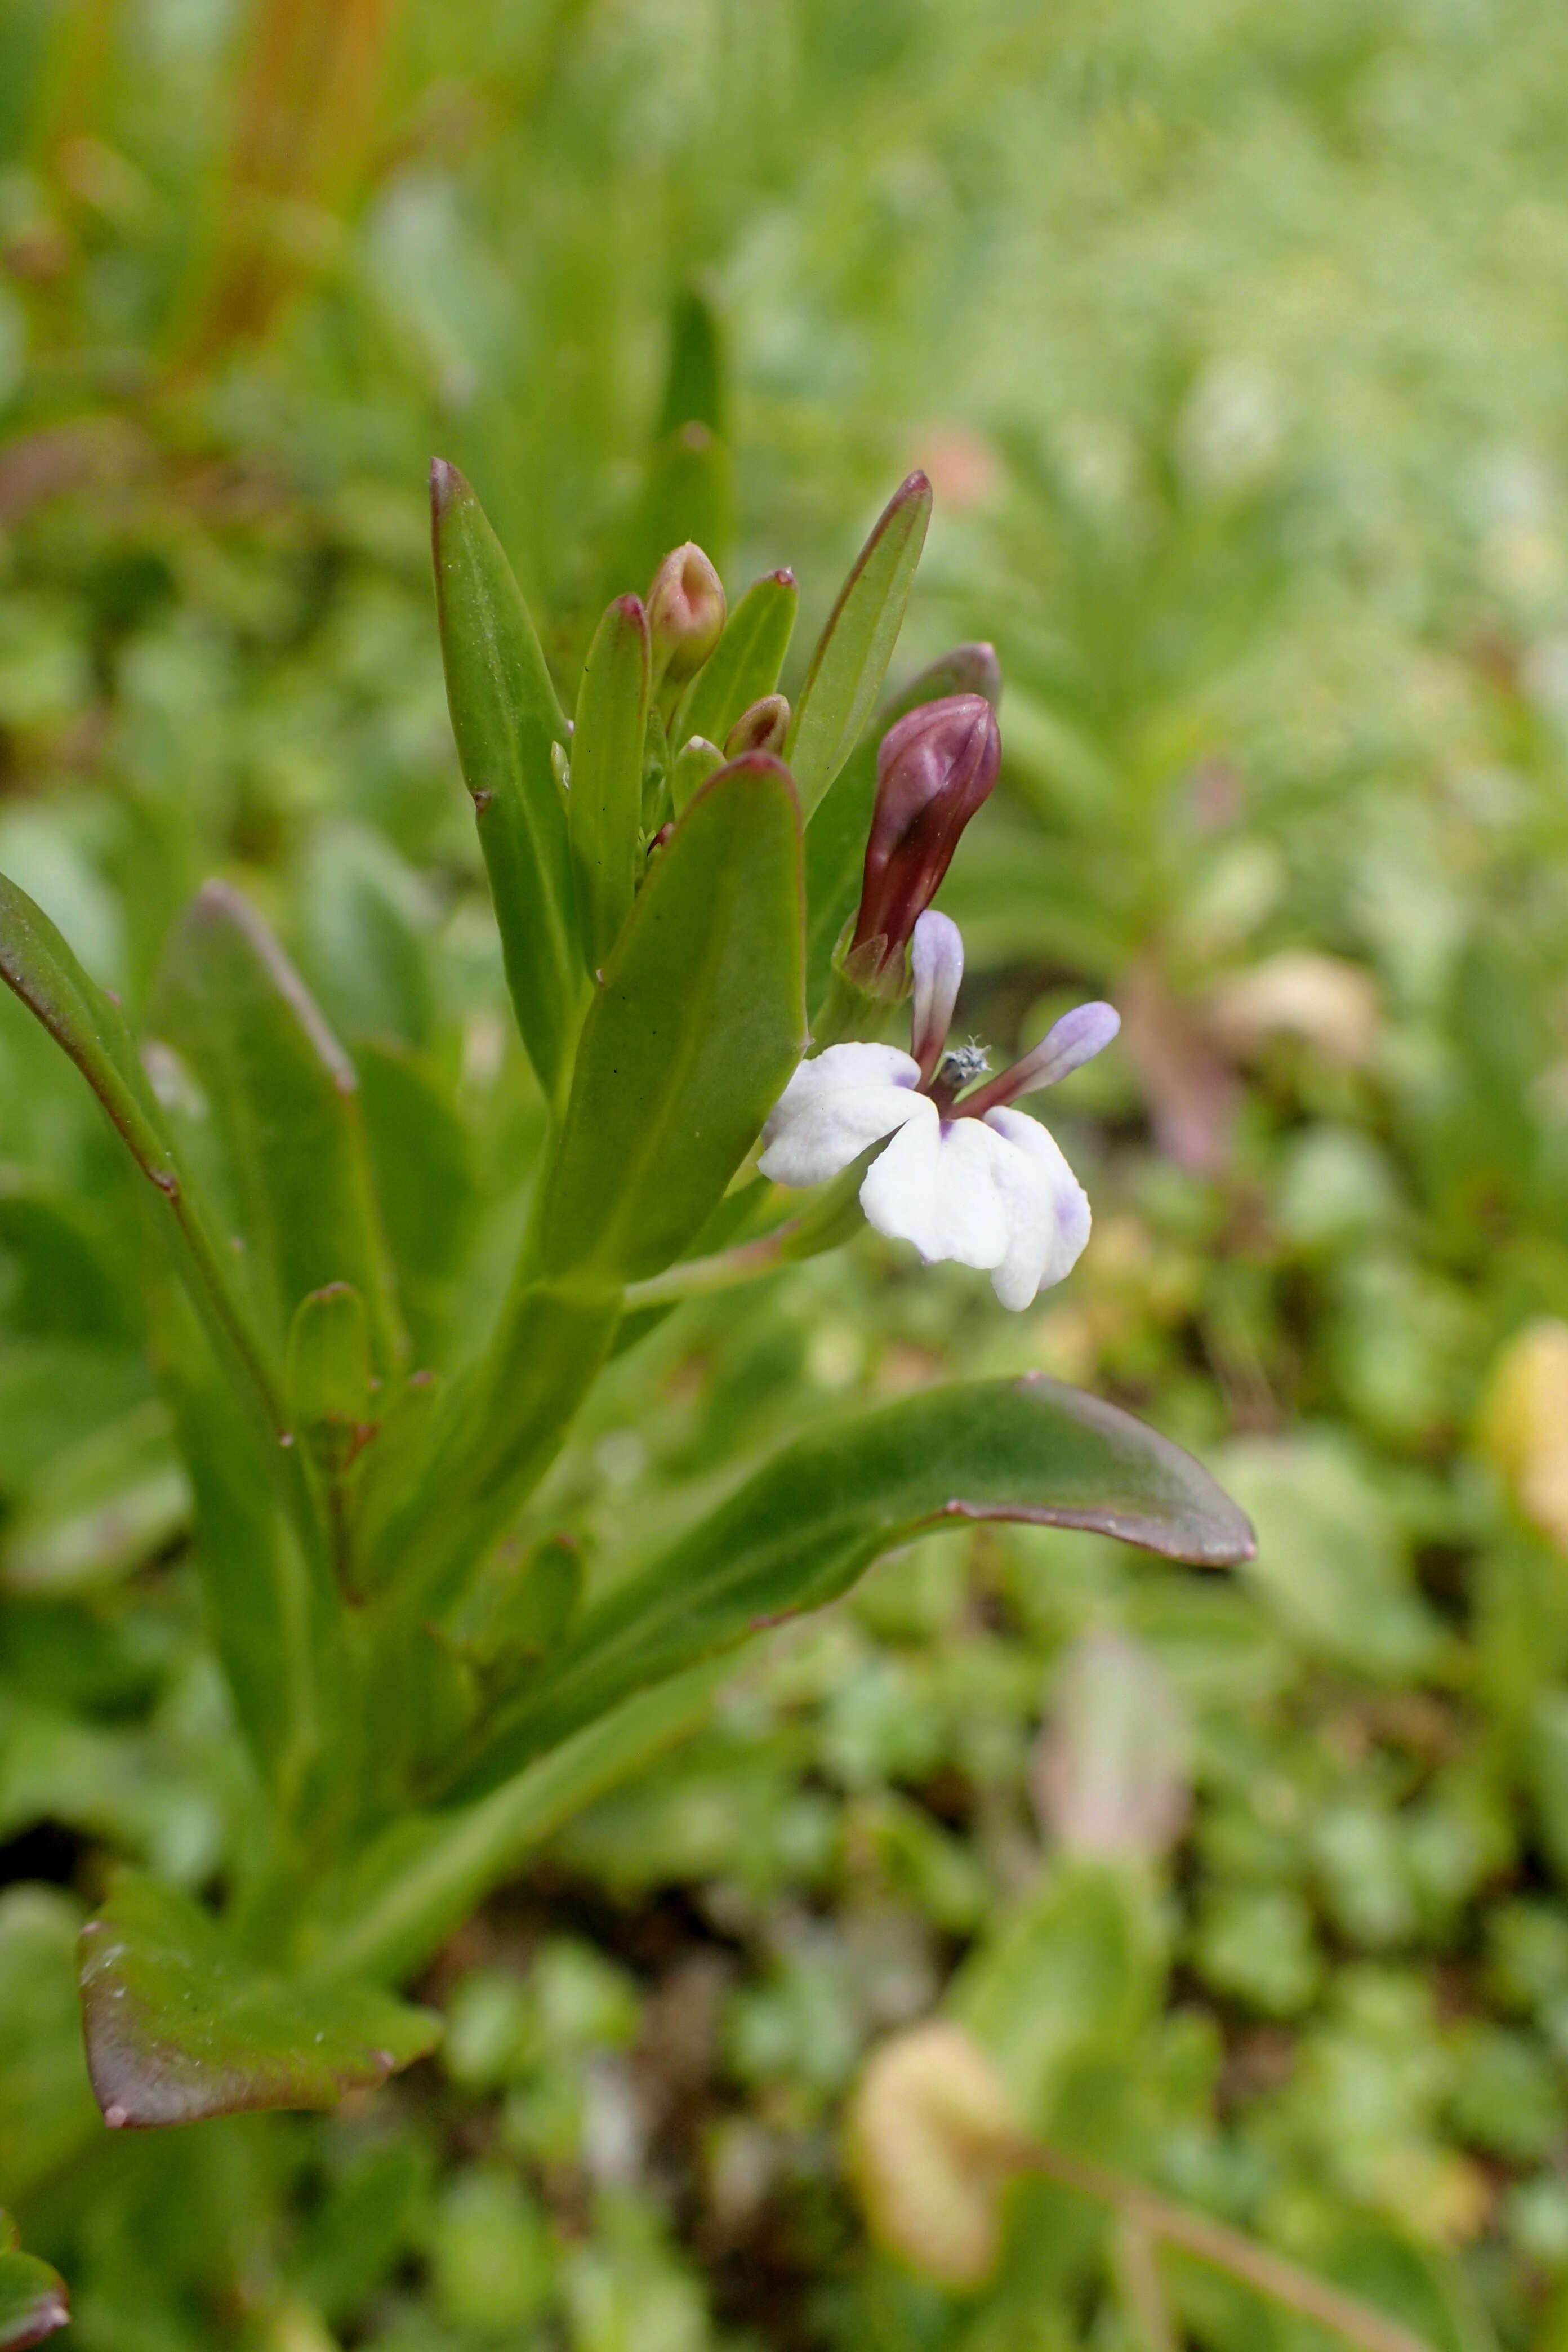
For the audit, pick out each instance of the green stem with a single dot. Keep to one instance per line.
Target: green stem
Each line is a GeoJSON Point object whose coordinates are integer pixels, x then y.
{"type": "Point", "coordinates": [696, 1277]}
{"type": "Point", "coordinates": [831, 1217]}
{"type": "Point", "coordinates": [406, 1920]}
{"type": "Point", "coordinates": [1259, 2267]}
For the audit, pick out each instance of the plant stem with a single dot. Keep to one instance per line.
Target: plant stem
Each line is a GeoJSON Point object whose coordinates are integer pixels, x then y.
{"type": "Point", "coordinates": [696, 1277]}
{"type": "Point", "coordinates": [830, 1217]}
{"type": "Point", "coordinates": [1142, 2288]}
{"type": "Point", "coordinates": [1212, 2242]}
{"type": "Point", "coordinates": [469, 1851]}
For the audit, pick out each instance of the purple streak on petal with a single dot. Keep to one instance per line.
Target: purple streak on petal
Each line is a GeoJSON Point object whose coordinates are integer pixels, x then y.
{"type": "Point", "coordinates": [936, 960]}
{"type": "Point", "coordinates": [1073, 1040]}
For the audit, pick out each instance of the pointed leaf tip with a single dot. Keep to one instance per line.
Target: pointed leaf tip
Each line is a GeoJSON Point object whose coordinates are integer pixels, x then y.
{"type": "Point", "coordinates": [178, 2026]}
{"type": "Point", "coordinates": [445, 484]}
{"type": "Point", "coordinates": [32, 2298]}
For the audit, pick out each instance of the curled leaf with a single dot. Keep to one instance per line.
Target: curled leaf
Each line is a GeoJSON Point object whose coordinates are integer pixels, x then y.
{"type": "Point", "coordinates": [933, 2145]}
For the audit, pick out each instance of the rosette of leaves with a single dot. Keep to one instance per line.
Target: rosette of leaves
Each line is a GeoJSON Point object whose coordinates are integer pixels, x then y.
{"type": "Point", "coordinates": [423, 1694]}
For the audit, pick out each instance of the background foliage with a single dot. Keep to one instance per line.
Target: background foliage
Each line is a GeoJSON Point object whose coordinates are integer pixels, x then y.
{"type": "Point", "coordinates": [1231, 337]}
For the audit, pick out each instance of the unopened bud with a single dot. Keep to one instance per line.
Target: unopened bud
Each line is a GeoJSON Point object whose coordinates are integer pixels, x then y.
{"type": "Point", "coordinates": [762, 728]}
{"type": "Point", "coordinates": [934, 769]}
{"type": "Point", "coordinates": [685, 614]}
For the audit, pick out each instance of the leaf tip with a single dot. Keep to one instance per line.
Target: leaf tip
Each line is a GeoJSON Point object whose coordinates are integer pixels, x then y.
{"type": "Point", "coordinates": [446, 486]}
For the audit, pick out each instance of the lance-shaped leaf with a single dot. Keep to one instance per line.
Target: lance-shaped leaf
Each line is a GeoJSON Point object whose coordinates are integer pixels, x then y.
{"type": "Point", "coordinates": [495, 1434]}
{"type": "Point", "coordinates": [691, 1036]}
{"type": "Point", "coordinates": [803, 1528]}
{"type": "Point", "coordinates": [696, 760]}
{"type": "Point", "coordinates": [179, 2027]}
{"type": "Point", "coordinates": [281, 1098]}
{"type": "Point", "coordinates": [690, 494]}
{"type": "Point", "coordinates": [32, 2298]}
{"type": "Point", "coordinates": [605, 800]}
{"type": "Point", "coordinates": [855, 648]}
{"type": "Point", "coordinates": [271, 1604]}
{"type": "Point", "coordinates": [88, 1025]}
{"type": "Point", "coordinates": [505, 718]}
{"type": "Point", "coordinates": [745, 663]}
{"type": "Point", "coordinates": [422, 1876]}
{"type": "Point", "coordinates": [695, 388]}
{"type": "Point", "coordinates": [836, 839]}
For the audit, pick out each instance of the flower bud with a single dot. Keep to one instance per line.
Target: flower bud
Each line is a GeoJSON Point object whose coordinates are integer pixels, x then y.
{"type": "Point", "coordinates": [935, 767]}
{"type": "Point", "coordinates": [685, 614]}
{"type": "Point", "coordinates": [762, 728]}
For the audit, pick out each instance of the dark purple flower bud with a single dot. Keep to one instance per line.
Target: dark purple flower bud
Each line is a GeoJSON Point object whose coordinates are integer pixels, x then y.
{"type": "Point", "coordinates": [762, 728]}
{"type": "Point", "coordinates": [685, 614]}
{"type": "Point", "coordinates": [935, 767]}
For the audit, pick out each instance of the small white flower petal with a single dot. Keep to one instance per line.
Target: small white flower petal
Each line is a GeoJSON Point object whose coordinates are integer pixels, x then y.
{"type": "Point", "coordinates": [1046, 1207]}
{"type": "Point", "coordinates": [833, 1108]}
{"type": "Point", "coordinates": [936, 967]}
{"type": "Point", "coordinates": [933, 1186]}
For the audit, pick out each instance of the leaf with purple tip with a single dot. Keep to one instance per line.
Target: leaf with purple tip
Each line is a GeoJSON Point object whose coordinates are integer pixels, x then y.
{"type": "Point", "coordinates": [33, 2299]}
{"type": "Point", "coordinates": [179, 2026]}
{"type": "Point", "coordinates": [802, 1529]}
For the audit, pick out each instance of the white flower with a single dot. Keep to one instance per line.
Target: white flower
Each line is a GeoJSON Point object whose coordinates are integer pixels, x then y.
{"type": "Point", "coordinates": [978, 1183]}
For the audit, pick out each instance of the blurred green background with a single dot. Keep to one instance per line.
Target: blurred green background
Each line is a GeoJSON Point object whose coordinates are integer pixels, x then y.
{"type": "Point", "coordinates": [1235, 340]}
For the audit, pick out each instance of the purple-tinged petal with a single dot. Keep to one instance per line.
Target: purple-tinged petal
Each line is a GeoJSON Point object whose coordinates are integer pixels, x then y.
{"type": "Point", "coordinates": [936, 962]}
{"type": "Point", "coordinates": [1047, 1208]}
{"type": "Point", "coordinates": [1070, 1042]}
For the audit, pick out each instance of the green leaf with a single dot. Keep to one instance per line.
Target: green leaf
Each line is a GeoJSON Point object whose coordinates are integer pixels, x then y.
{"type": "Point", "coordinates": [47, 2111]}
{"type": "Point", "coordinates": [32, 2298]}
{"type": "Point", "coordinates": [690, 494]}
{"type": "Point", "coordinates": [281, 1105]}
{"type": "Point", "coordinates": [802, 1529]}
{"type": "Point", "coordinates": [178, 2026]}
{"type": "Point", "coordinates": [745, 663]}
{"type": "Point", "coordinates": [329, 1375]}
{"type": "Point", "coordinates": [696, 760]}
{"type": "Point", "coordinates": [604, 805]}
{"type": "Point", "coordinates": [87, 1023]}
{"type": "Point", "coordinates": [855, 648]}
{"type": "Point", "coordinates": [505, 718]}
{"type": "Point", "coordinates": [98, 1508]}
{"type": "Point", "coordinates": [412, 1887]}
{"type": "Point", "coordinates": [271, 1606]}
{"type": "Point", "coordinates": [837, 836]}
{"type": "Point", "coordinates": [424, 1182]}
{"type": "Point", "coordinates": [695, 388]}
{"type": "Point", "coordinates": [495, 1433]}
{"type": "Point", "coordinates": [691, 1036]}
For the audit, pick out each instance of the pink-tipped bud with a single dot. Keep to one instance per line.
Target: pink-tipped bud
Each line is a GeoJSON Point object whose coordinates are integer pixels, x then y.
{"type": "Point", "coordinates": [934, 769]}
{"type": "Point", "coordinates": [685, 614]}
{"type": "Point", "coordinates": [762, 728]}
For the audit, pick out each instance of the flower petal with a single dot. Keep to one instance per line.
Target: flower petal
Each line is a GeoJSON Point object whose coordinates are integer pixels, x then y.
{"type": "Point", "coordinates": [1046, 1207]}
{"type": "Point", "coordinates": [833, 1108]}
{"type": "Point", "coordinates": [1075, 1039]}
{"type": "Point", "coordinates": [934, 1186]}
{"type": "Point", "coordinates": [936, 963]}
